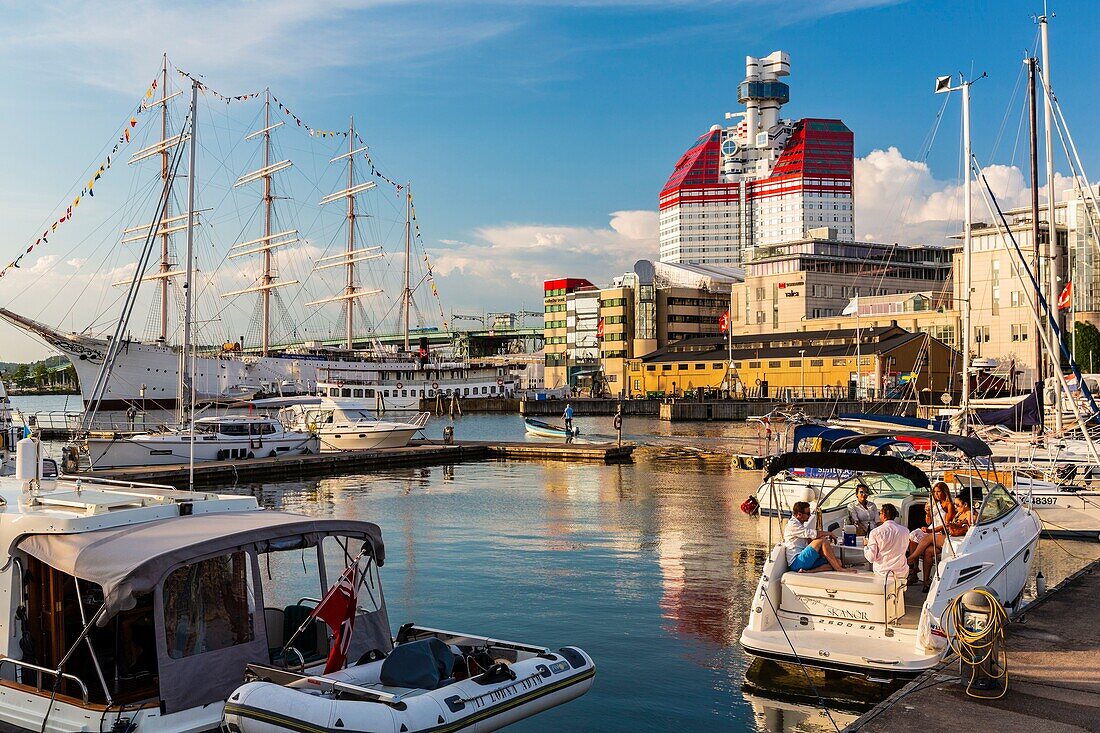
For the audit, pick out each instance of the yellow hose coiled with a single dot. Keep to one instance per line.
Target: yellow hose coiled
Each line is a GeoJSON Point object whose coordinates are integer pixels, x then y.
{"type": "Point", "coordinates": [977, 647]}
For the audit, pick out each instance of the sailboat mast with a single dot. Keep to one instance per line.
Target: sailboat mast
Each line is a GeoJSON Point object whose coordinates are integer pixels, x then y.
{"type": "Point", "coordinates": [1052, 233]}
{"type": "Point", "coordinates": [967, 249]}
{"type": "Point", "coordinates": [1033, 120]}
{"type": "Point", "coordinates": [165, 265]}
{"type": "Point", "coordinates": [349, 287]}
{"type": "Point", "coordinates": [269, 199]}
{"type": "Point", "coordinates": [185, 385]}
{"type": "Point", "coordinates": [408, 255]}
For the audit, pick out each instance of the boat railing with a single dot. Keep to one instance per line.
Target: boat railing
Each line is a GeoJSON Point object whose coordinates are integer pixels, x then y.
{"type": "Point", "coordinates": [61, 421]}
{"type": "Point", "coordinates": [20, 665]}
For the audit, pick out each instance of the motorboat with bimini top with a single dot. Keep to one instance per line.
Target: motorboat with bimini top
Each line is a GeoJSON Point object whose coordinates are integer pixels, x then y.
{"type": "Point", "coordinates": [776, 495]}
{"type": "Point", "coordinates": [867, 623]}
{"type": "Point", "coordinates": [229, 437]}
{"type": "Point", "coordinates": [140, 607]}
{"type": "Point", "coordinates": [548, 430]}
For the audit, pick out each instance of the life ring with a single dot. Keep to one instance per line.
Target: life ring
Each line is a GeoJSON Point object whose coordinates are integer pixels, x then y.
{"type": "Point", "coordinates": [500, 382]}
{"type": "Point", "coordinates": [618, 422]}
{"type": "Point", "coordinates": [435, 385]}
{"type": "Point", "coordinates": [400, 385]}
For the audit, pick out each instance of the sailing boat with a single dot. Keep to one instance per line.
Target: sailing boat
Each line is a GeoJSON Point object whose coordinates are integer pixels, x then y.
{"type": "Point", "coordinates": [209, 438]}
{"type": "Point", "coordinates": [143, 372]}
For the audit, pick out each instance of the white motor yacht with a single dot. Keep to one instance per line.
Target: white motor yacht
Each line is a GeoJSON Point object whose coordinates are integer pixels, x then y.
{"type": "Point", "coordinates": [135, 607]}
{"type": "Point", "coordinates": [871, 624]}
{"type": "Point", "coordinates": [215, 439]}
{"type": "Point", "coordinates": [347, 424]}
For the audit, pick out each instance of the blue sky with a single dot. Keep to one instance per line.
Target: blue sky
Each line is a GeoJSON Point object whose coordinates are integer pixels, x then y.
{"type": "Point", "coordinates": [536, 133]}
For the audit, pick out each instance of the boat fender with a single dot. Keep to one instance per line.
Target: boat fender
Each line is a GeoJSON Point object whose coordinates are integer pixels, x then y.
{"type": "Point", "coordinates": [251, 455]}
{"type": "Point", "coordinates": [272, 454]}
{"type": "Point", "coordinates": [750, 505]}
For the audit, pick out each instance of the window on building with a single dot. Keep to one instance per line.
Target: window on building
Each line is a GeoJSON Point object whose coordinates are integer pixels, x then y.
{"type": "Point", "coordinates": [666, 367]}
{"type": "Point", "coordinates": [774, 364]}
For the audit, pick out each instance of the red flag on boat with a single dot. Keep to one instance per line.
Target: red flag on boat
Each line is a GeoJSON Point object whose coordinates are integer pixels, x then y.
{"type": "Point", "coordinates": [724, 322]}
{"type": "Point", "coordinates": [1065, 300]}
{"type": "Point", "coordinates": [337, 609]}
{"type": "Point", "coordinates": [599, 329]}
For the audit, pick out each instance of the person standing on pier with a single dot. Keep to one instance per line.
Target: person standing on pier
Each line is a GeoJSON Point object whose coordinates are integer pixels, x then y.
{"type": "Point", "coordinates": [568, 416]}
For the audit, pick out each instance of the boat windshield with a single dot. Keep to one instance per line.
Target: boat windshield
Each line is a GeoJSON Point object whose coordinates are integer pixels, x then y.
{"type": "Point", "coordinates": [883, 486]}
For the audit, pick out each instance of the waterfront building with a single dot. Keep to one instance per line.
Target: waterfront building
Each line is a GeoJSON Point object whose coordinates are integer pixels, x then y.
{"type": "Point", "coordinates": [759, 182]}
{"type": "Point", "coordinates": [872, 363]}
{"type": "Point", "coordinates": [655, 304]}
{"type": "Point", "coordinates": [818, 276]}
{"type": "Point", "coordinates": [569, 330]}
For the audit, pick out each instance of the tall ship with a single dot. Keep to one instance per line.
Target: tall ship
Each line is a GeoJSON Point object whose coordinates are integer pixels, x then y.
{"type": "Point", "coordinates": [118, 370]}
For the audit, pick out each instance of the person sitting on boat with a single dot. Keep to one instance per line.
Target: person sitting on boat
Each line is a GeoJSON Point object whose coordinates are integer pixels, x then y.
{"type": "Point", "coordinates": [808, 550]}
{"type": "Point", "coordinates": [937, 513]}
{"type": "Point", "coordinates": [887, 545]}
{"type": "Point", "coordinates": [568, 415]}
{"type": "Point", "coordinates": [950, 524]}
{"type": "Point", "coordinates": [862, 512]}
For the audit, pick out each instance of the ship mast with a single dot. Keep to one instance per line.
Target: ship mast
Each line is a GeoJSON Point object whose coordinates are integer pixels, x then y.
{"type": "Point", "coordinates": [407, 292]}
{"type": "Point", "coordinates": [185, 385]}
{"type": "Point", "coordinates": [270, 240]}
{"type": "Point", "coordinates": [350, 256]}
{"type": "Point", "coordinates": [165, 264]}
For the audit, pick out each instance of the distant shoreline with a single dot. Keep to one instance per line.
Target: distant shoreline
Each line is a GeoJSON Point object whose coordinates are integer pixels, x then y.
{"type": "Point", "coordinates": [39, 391]}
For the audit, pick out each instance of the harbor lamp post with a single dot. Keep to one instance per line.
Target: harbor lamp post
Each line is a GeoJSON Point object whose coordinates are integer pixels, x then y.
{"type": "Point", "coordinates": [802, 367]}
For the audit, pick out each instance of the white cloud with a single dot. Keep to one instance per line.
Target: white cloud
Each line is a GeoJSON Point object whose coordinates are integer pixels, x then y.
{"type": "Point", "coordinates": [506, 265]}
{"type": "Point", "coordinates": [899, 200]}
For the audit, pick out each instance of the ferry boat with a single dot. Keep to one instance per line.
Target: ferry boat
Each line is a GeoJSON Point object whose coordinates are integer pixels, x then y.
{"type": "Point", "coordinates": [876, 625]}
{"type": "Point", "coordinates": [141, 607]}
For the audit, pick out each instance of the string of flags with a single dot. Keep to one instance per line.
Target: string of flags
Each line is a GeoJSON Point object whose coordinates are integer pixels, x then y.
{"type": "Point", "coordinates": [313, 131]}
{"type": "Point", "coordinates": [427, 264]}
{"type": "Point", "coordinates": [89, 188]}
{"type": "Point", "coordinates": [227, 98]}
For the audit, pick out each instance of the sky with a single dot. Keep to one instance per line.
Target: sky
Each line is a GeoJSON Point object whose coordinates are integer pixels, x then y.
{"type": "Point", "coordinates": [536, 133]}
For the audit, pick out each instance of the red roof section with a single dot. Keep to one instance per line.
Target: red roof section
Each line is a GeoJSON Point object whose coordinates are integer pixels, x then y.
{"type": "Point", "coordinates": [568, 283]}
{"type": "Point", "coordinates": [818, 148]}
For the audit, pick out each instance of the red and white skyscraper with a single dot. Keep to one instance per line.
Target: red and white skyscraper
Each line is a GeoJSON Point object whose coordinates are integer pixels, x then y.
{"type": "Point", "coordinates": [762, 181]}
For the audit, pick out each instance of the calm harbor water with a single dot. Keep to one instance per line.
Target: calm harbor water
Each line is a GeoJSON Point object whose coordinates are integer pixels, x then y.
{"type": "Point", "coordinates": [648, 566]}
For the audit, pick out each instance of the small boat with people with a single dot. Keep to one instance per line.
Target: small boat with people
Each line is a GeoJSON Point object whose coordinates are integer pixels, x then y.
{"type": "Point", "coordinates": [138, 607]}
{"type": "Point", "coordinates": [549, 430]}
{"type": "Point", "coordinates": [843, 614]}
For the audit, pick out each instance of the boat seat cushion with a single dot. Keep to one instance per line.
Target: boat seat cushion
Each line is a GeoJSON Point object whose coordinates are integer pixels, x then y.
{"type": "Point", "coordinates": [868, 597]}
{"type": "Point", "coordinates": [424, 664]}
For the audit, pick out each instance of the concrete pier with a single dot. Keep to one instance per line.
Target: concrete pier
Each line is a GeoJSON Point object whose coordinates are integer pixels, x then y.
{"type": "Point", "coordinates": [1053, 668]}
{"type": "Point", "coordinates": [417, 453]}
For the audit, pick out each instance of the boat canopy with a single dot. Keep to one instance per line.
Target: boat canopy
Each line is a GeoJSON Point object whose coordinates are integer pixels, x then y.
{"type": "Point", "coordinates": [133, 559]}
{"type": "Point", "coordinates": [856, 462]}
{"type": "Point", "coordinates": [971, 447]}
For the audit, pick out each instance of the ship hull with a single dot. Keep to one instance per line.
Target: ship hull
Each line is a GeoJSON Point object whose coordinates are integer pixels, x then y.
{"type": "Point", "coordinates": [146, 374]}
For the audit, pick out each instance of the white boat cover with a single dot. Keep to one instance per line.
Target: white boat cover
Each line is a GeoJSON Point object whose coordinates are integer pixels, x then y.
{"type": "Point", "coordinates": [133, 559]}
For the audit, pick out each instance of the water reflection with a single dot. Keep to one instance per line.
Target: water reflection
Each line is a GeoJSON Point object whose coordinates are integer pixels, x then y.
{"type": "Point", "coordinates": [648, 566]}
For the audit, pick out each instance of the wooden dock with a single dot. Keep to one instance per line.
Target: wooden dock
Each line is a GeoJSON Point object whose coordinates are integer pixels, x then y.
{"type": "Point", "coordinates": [417, 453]}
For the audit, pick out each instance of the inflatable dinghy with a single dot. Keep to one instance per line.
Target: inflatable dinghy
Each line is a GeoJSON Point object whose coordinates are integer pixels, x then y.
{"type": "Point", "coordinates": [432, 680]}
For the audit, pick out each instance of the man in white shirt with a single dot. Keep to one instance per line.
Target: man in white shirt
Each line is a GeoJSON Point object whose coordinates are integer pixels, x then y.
{"type": "Point", "coordinates": [887, 545]}
{"type": "Point", "coordinates": [808, 551]}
